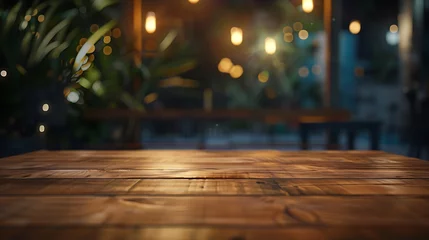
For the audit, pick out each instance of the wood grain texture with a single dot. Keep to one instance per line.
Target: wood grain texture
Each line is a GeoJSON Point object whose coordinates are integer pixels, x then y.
{"type": "Point", "coordinates": [215, 233]}
{"type": "Point", "coordinates": [213, 195]}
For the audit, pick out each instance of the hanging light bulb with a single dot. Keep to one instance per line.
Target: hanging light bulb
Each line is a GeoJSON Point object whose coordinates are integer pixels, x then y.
{"type": "Point", "coordinates": [307, 6]}
{"type": "Point", "coordinates": [270, 45]}
{"type": "Point", "coordinates": [150, 22]}
{"type": "Point", "coordinates": [236, 36]}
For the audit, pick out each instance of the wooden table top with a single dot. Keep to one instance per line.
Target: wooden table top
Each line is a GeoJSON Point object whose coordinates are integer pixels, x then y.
{"type": "Point", "coordinates": [231, 195]}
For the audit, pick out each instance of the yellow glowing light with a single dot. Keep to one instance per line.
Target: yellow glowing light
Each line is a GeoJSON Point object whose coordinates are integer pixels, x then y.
{"type": "Point", "coordinates": [45, 107]}
{"type": "Point", "coordinates": [116, 33]}
{"type": "Point", "coordinates": [394, 28]}
{"type": "Point", "coordinates": [236, 36]}
{"type": "Point", "coordinates": [3, 73]}
{"type": "Point", "coordinates": [270, 46]}
{"type": "Point", "coordinates": [287, 29]}
{"type": "Point", "coordinates": [355, 27]}
{"type": "Point", "coordinates": [303, 72]}
{"type": "Point", "coordinates": [35, 11]}
{"type": "Point", "coordinates": [236, 71]}
{"type": "Point", "coordinates": [316, 69]}
{"type": "Point", "coordinates": [263, 76]}
{"type": "Point", "coordinates": [193, 1]}
{"type": "Point", "coordinates": [107, 50]}
{"type": "Point", "coordinates": [27, 18]}
{"type": "Point", "coordinates": [82, 41]}
{"type": "Point", "coordinates": [78, 48]}
{"type": "Point", "coordinates": [298, 26]}
{"type": "Point", "coordinates": [288, 37]}
{"type": "Point", "coordinates": [107, 39]}
{"type": "Point", "coordinates": [150, 24]}
{"type": "Point", "coordinates": [91, 49]}
{"type": "Point", "coordinates": [41, 18]}
{"type": "Point", "coordinates": [303, 34]}
{"type": "Point", "coordinates": [225, 65]}
{"type": "Point", "coordinates": [42, 128]}
{"type": "Point", "coordinates": [91, 58]}
{"type": "Point", "coordinates": [151, 98]}
{"type": "Point", "coordinates": [94, 28]}
{"type": "Point", "coordinates": [307, 6]}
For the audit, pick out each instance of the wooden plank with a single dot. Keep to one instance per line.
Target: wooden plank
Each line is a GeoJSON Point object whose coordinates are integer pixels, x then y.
{"type": "Point", "coordinates": [214, 211]}
{"type": "Point", "coordinates": [215, 173]}
{"type": "Point", "coordinates": [225, 233]}
{"type": "Point", "coordinates": [216, 187]}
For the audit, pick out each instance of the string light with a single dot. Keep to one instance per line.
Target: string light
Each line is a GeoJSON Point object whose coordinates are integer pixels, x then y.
{"type": "Point", "coordinates": [150, 22]}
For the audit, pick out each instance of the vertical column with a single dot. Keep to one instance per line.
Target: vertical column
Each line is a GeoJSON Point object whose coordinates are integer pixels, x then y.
{"type": "Point", "coordinates": [137, 30]}
{"type": "Point", "coordinates": [332, 21]}
{"type": "Point", "coordinates": [405, 44]}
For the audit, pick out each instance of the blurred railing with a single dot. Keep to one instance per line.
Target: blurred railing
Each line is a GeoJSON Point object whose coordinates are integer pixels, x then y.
{"type": "Point", "coordinates": [204, 118]}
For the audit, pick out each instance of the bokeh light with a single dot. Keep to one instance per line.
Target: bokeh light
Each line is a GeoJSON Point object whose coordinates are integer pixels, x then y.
{"type": "Point", "coordinates": [27, 18]}
{"type": "Point", "coordinates": [303, 34]}
{"type": "Point", "coordinates": [94, 28]}
{"type": "Point", "coordinates": [225, 65]}
{"type": "Point", "coordinates": [107, 39]}
{"type": "Point", "coordinates": [41, 18]}
{"type": "Point", "coordinates": [355, 27]}
{"type": "Point", "coordinates": [316, 69]}
{"type": "Point", "coordinates": [287, 29]}
{"type": "Point", "coordinates": [73, 97]}
{"type": "Point", "coordinates": [263, 76]}
{"type": "Point", "coordinates": [394, 28]}
{"type": "Point", "coordinates": [298, 26]}
{"type": "Point", "coordinates": [303, 72]}
{"type": "Point", "coordinates": [150, 24]}
{"type": "Point", "coordinates": [42, 128]}
{"type": "Point", "coordinates": [193, 1]}
{"type": "Point", "coordinates": [270, 45]}
{"type": "Point", "coordinates": [236, 71]}
{"type": "Point", "coordinates": [107, 50]}
{"type": "Point", "coordinates": [288, 37]}
{"type": "Point", "coordinates": [116, 33]}
{"type": "Point", "coordinates": [3, 73]}
{"type": "Point", "coordinates": [307, 6]}
{"type": "Point", "coordinates": [236, 36]}
{"type": "Point", "coordinates": [45, 107]}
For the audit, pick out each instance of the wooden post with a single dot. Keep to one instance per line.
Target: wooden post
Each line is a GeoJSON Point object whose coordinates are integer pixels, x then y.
{"type": "Point", "coordinates": [332, 21]}
{"type": "Point", "coordinates": [137, 30]}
